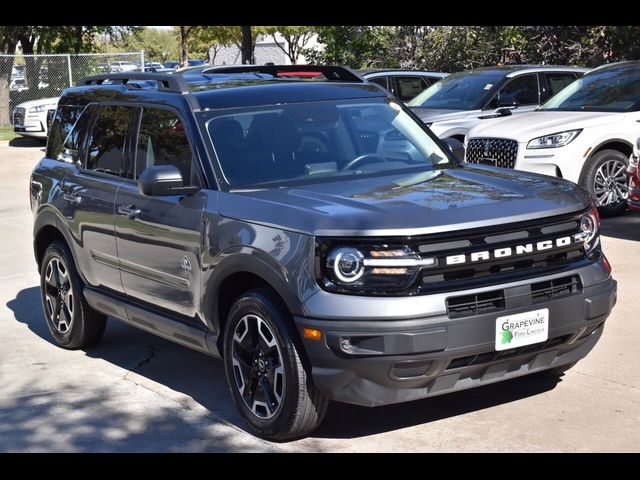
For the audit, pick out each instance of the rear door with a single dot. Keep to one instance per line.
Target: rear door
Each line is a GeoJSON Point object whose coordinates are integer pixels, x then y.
{"type": "Point", "coordinates": [159, 238]}
{"type": "Point", "coordinates": [89, 191]}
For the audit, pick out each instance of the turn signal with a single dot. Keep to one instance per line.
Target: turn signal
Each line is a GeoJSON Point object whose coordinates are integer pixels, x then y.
{"type": "Point", "coordinates": [312, 333]}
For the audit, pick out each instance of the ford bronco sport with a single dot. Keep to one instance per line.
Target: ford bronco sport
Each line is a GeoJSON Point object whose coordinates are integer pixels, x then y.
{"type": "Point", "coordinates": [314, 234]}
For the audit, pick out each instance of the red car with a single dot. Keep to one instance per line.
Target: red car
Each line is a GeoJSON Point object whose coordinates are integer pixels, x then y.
{"type": "Point", "coordinates": [634, 178]}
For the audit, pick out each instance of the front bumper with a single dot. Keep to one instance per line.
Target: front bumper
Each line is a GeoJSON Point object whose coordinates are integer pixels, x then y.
{"type": "Point", "coordinates": [34, 126]}
{"type": "Point", "coordinates": [392, 361]}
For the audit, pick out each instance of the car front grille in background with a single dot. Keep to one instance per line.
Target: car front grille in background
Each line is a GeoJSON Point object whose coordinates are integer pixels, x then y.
{"type": "Point", "coordinates": [18, 116]}
{"type": "Point", "coordinates": [496, 152]}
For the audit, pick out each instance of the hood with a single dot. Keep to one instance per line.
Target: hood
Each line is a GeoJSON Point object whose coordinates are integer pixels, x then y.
{"type": "Point", "coordinates": [43, 101]}
{"type": "Point", "coordinates": [430, 115]}
{"type": "Point", "coordinates": [414, 204]}
{"type": "Point", "coordinates": [525, 126]}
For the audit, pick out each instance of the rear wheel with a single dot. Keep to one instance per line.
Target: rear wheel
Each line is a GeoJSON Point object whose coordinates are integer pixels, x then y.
{"type": "Point", "coordinates": [605, 177]}
{"type": "Point", "coordinates": [71, 321]}
{"type": "Point", "coordinates": [269, 384]}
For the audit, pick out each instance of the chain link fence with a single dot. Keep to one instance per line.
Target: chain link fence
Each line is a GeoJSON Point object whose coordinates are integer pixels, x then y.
{"type": "Point", "coordinates": [34, 77]}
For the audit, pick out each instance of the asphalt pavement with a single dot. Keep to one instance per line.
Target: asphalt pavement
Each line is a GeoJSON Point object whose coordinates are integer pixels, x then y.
{"type": "Point", "coordinates": [134, 392]}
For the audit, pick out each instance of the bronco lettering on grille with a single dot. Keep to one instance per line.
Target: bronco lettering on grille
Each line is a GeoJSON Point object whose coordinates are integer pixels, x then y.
{"type": "Point", "coordinates": [509, 251]}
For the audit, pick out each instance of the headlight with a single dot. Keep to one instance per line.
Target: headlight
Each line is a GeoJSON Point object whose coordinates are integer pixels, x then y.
{"type": "Point", "coordinates": [554, 140]}
{"type": "Point", "coordinates": [373, 269]}
{"type": "Point", "coordinates": [37, 109]}
{"type": "Point", "coordinates": [589, 233]}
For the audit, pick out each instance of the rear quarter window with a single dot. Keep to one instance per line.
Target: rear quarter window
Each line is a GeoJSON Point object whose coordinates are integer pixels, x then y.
{"type": "Point", "coordinates": [64, 120]}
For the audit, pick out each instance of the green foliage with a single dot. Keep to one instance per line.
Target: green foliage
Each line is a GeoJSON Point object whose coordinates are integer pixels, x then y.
{"type": "Point", "coordinates": [158, 45]}
{"type": "Point", "coordinates": [352, 46]}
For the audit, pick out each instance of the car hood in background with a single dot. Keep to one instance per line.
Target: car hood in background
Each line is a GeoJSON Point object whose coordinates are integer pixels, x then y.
{"type": "Point", "coordinates": [430, 115]}
{"type": "Point", "coordinates": [43, 101]}
{"type": "Point", "coordinates": [525, 126]}
{"type": "Point", "coordinates": [423, 203]}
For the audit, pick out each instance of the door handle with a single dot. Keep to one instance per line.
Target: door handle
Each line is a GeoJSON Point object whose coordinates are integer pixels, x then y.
{"type": "Point", "coordinates": [72, 198]}
{"type": "Point", "coordinates": [129, 210]}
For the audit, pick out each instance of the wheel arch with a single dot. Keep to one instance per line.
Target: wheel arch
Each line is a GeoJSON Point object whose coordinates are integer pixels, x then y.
{"type": "Point", "coordinates": [46, 229]}
{"type": "Point", "coordinates": [239, 273]}
{"type": "Point", "coordinates": [620, 144]}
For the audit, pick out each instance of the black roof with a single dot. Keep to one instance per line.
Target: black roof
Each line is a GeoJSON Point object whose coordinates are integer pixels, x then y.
{"type": "Point", "coordinates": [240, 87]}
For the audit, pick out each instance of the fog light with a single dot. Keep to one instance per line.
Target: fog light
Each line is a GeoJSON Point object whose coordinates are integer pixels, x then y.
{"type": "Point", "coordinates": [345, 344]}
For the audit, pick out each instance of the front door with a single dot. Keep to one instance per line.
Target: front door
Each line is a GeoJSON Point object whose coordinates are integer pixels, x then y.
{"type": "Point", "coordinates": [159, 238]}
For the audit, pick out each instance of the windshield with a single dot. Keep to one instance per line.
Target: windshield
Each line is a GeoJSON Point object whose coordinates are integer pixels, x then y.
{"type": "Point", "coordinates": [316, 142]}
{"type": "Point", "coordinates": [463, 91]}
{"type": "Point", "coordinates": [611, 90]}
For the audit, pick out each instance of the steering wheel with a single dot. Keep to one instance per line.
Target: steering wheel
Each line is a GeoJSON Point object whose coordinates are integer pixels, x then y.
{"type": "Point", "coordinates": [366, 157]}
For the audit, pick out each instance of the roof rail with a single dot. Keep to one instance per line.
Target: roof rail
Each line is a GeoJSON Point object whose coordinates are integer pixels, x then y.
{"type": "Point", "coordinates": [168, 82]}
{"type": "Point", "coordinates": [342, 74]}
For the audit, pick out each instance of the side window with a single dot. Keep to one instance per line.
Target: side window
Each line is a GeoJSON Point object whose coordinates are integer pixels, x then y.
{"type": "Point", "coordinates": [162, 140]}
{"type": "Point", "coordinates": [557, 81]}
{"type": "Point", "coordinates": [382, 81]}
{"type": "Point", "coordinates": [408, 87]}
{"type": "Point", "coordinates": [106, 142]}
{"type": "Point", "coordinates": [64, 120]}
{"type": "Point", "coordinates": [524, 89]}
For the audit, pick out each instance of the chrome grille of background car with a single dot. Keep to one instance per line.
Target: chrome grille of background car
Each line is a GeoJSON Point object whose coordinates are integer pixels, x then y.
{"type": "Point", "coordinates": [496, 152]}
{"type": "Point", "coordinates": [18, 116]}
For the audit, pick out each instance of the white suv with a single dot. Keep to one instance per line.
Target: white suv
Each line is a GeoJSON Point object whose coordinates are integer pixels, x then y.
{"type": "Point", "coordinates": [585, 134]}
{"type": "Point", "coordinates": [31, 119]}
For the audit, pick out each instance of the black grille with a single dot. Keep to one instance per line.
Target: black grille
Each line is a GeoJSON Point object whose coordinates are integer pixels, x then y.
{"type": "Point", "coordinates": [475, 304]}
{"type": "Point", "coordinates": [556, 288]}
{"type": "Point", "coordinates": [18, 116]}
{"type": "Point", "coordinates": [410, 369]}
{"type": "Point", "coordinates": [488, 357]}
{"type": "Point", "coordinates": [447, 277]}
{"type": "Point", "coordinates": [496, 152]}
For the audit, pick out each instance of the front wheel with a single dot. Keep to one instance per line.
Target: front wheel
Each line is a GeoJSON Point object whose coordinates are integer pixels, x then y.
{"type": "Point", "coordinates": [269, 384]}
{"type": "Point", "coordinates": [605, 177]}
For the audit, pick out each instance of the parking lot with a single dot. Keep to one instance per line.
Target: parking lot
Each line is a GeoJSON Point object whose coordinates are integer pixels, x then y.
{"type": "Point", "coordinates": [137, 392]}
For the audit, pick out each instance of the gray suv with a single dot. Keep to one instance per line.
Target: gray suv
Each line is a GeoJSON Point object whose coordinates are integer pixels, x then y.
{"type": "Point", "coordinates": [314, 234]}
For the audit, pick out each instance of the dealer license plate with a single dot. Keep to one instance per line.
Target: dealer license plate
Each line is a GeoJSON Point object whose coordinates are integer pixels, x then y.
{"type": "Point", "coordinates": [513, 331]}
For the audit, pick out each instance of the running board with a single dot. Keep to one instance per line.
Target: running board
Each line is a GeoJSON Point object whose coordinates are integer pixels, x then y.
{"type": "Point", "coordinates": [158, 323]}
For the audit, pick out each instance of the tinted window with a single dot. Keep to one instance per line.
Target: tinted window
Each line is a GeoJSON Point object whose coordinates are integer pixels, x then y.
{"type": "Point", "coordinates": [460, 91]}
{"type": "Point", "coordinates": [557, 81]}
{"type": "Point", "coordinates": [523, 89]}
{"type": "Point", "coordinates": [162, 140]}
{"type": "Point", "coordinates": [64, 120]}
{"type": "Point", "coordinates": [106, 142]}
{"type": "Point", "coordinates": [382, 81]}
{"type": "Point", "coordinates": [408, 87]}
{"type": "Point", "coordinates": [322, 141]}
{"type": "Point", "coordinates": [608, 90]}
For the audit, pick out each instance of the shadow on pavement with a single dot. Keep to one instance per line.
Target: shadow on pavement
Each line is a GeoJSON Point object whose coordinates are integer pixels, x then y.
{"type": "Point", "coordinates": [23, 142]}
{"type": "Point", "coordinates": [202, 378]}
{"type": "Point", "coordinates": [624, 227]}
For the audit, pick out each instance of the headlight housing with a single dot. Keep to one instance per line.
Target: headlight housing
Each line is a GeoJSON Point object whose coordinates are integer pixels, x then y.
{"type": "Point", "coordinates": [41, 108]}
{"type": "Point", "coordinates": [589, 233]}
{"type": "Point", "coordinates": [374, 269]}
{"type": "Point", "coordinates": [554, 140]}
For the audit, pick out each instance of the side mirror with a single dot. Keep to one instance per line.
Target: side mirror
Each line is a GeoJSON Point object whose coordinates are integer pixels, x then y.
{"type": "Point", "coordinates": [163, 181]}
{"type": "Point", "coordinates": [508, 101]}
{"type": "Point", "coordinates": [456, 147]}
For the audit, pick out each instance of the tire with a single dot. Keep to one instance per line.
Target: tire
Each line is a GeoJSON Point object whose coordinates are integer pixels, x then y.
{"type": "Point", "coordinates": [559, 371]}
{"type": "Point", "coordinates": [605, 178]}
{"type": "Point", "coordinates": [71, 321]}
{"type": "Point", "coordinates": [269, 384]}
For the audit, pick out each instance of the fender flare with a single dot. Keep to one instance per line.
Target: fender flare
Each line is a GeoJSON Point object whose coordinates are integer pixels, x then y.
{"type": "Point", "coordinates": [50, 218]}
{"type": "Point", "coordinates": [253, 261]}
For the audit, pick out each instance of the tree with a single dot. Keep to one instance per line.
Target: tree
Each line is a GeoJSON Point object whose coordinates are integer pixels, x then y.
{"type": "Point", "coordinates": [296, 39]}
{"type": "Point", "coordinates": [353, 46]}
{"type": "Point", "coordinates": [184, 32]}
{"type": "Point", "coordinates": [158, 45]}
{"type": "Point", "coordinates": [248, 45]}
{"type": "Point", "coordinates": [9, 36]}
